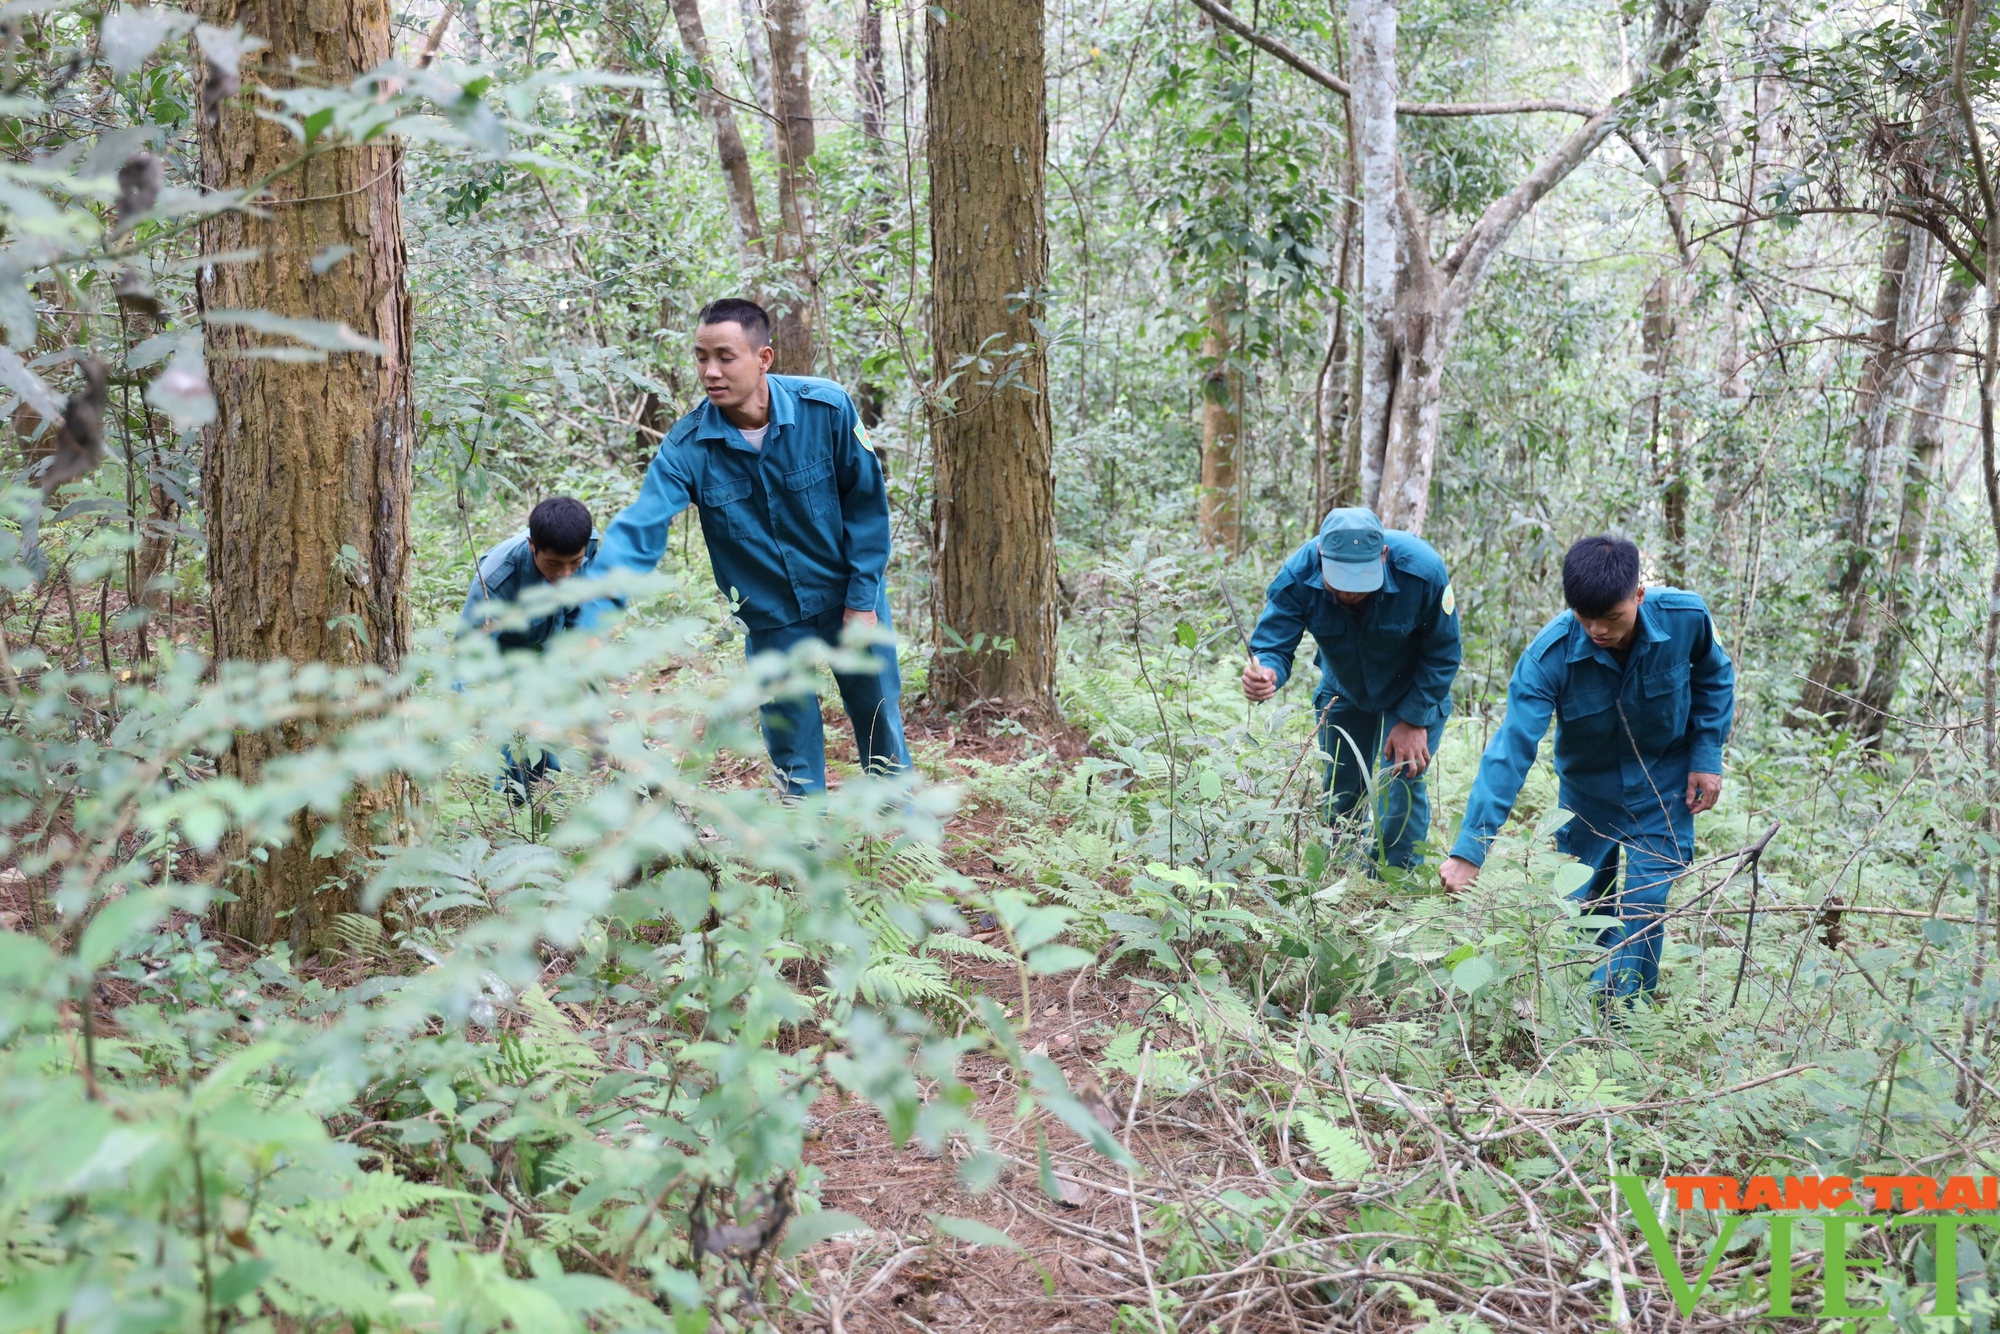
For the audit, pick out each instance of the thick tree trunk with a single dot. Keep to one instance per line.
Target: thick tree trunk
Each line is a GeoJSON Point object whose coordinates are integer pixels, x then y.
{"type": "Point", "coordinates": [737, 184]}
{"type": "Point", "coordinates": [1834, 678]}
{"type": "Point", "coordinates": [994, 511]}
{"type": "Point", "coordinates": [306, 473]}
{"type": "Point", "coordinates": [1373, 25]}
{"type": "Point", "coordinates": [1936, 378]}
{"type": "Point", "coordinates": [1218, 513]}
{"type": "Point", "coordinates": [796, 281]}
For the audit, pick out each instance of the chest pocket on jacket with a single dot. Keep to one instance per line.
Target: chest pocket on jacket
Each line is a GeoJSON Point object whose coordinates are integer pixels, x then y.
{"type": "Point", "coordinates": [1666, 703]}
{"type": "Point", "coordinates": [1585, 709]}
{"type": "Point", "coordinates": [729, 501]}
{"type": "Point", "coordinates": [811, 487]}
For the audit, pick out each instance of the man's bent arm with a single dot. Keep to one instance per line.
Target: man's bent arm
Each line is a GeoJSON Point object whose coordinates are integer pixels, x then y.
{"type": "Point", "coordinates": [1276, 638]}
{"type": "Point", "coordinates": [1711, 704]}
{"type": "Point", "coordinates": [1509, 755]}
{"type": "Point", "coordinates": [864, 512]}
{"type": "Point", "coordinates": [637, 538]}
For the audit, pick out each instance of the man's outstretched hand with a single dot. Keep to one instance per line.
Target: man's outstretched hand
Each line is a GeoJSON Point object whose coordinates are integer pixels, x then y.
{"type": "Point", "coordinates": [1409, 749]}
{"type": "Point", "coordinates": [1704, 790]}
{"type": "Point", "coordinates": [1259, 682]}
{"type": "Point", "coordinates": [1457, 874]}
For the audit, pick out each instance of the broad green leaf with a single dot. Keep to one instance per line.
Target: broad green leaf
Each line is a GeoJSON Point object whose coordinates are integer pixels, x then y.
{"type": "Point", "coordinates": [1472, 974]}
{"type": "Point", "coordinates": [809, 1230]}
{"type": "Point", "coordinates": [973, 1231]}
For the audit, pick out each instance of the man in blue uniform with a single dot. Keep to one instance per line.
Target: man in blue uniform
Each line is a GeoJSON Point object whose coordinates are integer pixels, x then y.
{"type": "Point", "coordinates": [555, 546]}
{"type": "Point", "coordinates": [1645, 696]}
{"type": "Point", "coordinates": [1381, 609]}
{"type": "Point", "coordinates": [796, 517]}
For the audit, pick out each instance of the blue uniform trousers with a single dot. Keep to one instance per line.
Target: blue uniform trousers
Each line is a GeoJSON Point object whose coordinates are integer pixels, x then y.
{"type": "Point", "coordinates": [1658, 847]}
{"type": "Point", "coordinates": [1402, 810]}
{"type": "Point", "coordinates": [518, 777]}
{"type": "Point", "coordinates": [792, 729]}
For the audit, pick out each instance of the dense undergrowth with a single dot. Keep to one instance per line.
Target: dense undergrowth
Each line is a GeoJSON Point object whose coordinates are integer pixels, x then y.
{"type": "Point", "coordinates": [558, 1073]}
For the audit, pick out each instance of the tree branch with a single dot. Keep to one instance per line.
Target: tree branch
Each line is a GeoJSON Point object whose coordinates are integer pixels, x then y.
{"type": "Point", "coordinates": [1329, 80]}
{"type": "Point", "coordinates": [1674, 30]}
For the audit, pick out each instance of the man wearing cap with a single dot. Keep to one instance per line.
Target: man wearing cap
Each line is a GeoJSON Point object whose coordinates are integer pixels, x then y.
{"type": "Point", "coordinates": [1380, 607]}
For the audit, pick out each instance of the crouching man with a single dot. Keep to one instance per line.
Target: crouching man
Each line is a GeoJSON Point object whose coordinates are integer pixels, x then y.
{"type": "Point", "coordinates": [1380, 607]}
{"type": "Point", "coordinates": [554, 547]}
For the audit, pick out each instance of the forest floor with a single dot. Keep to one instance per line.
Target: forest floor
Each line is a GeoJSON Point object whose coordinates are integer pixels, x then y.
{"type": "Point", "coordinates": [1077, 1265]}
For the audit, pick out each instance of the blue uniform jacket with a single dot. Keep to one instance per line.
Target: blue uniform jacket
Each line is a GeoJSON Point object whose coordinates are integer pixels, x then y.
{"type": "Point", "coordinates": [505, 573]}
{"type": "Point", "coordinates": [793, 530]}
{"type": "Point", "coordinates": [1626, 738]}
{"type": "Point", "coordinates": [1397, 656]}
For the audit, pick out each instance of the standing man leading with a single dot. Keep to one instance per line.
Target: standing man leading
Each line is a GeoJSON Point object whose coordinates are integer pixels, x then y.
{"type": "Point", "coordinates": [1645, 695]}
{"type": "Point", "coordinates": [1381, 609]}
{"type": "Point", "coordinates": [796, 517]}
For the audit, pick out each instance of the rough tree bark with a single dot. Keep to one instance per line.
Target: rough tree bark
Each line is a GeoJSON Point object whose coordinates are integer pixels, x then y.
{"type": "Point", "coordinates": [306, 473]}
{"type": "Point", "coordinates": [796, 281]}
{"type": "Point", "coordinates": [737, 184]}
{"type": "Point", "coordinates": [756, 54]}
{"type": "Point", "coordinates": [1658, 425]}
{"type": "Point", "coordinates": [993, 515]}
{"type": "Point", "coordinates": [1334, 396]}
{"type": "Point", "coordinates": [1218, 519]}
{"type": "Point", "coordinates": [1835, 675]}
{"type": "Point", "coordinates": [871, 89]}
{"type": "Point", "coordinates": [1936, 377]}
{"type": "Point", "coordinates": [1373, 24]}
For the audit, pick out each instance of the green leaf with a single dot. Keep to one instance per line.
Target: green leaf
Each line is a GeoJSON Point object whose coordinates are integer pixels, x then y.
{"type": "Point", "coordinates": [117, 925]}
{"type": "Point", "coordinates": [437, 1089]}
{"type": "Point", "coordinates": [241, 1279]}
{"type": "Point", "coordinates": [973, 1231]}
{"type": "Point", "coordinates": [1473, 973]}
{"type": "Point", "coordinates": [315, 124]}
{"type": "Point", "coordinates": [1337, 1148]}
{"type": "Point", "coordinates": [1569, 878]}
{"type": "Point", "coordinates": [1184, 634]}
{"type": "Point", "coordinates": [1058, 959]}
{"type": "Point", "coordinates": [328, 335]}
{"type": "Point", "coordinates": [1211, 785]}
{"type": "Point", "coordinates": [473, 1158]}
{"type": "Point", "coordinates": [809, 1230]}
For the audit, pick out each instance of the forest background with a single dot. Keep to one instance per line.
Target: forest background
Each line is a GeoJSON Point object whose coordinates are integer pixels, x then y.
{"type": "Point", "coordinates": [305, 305]}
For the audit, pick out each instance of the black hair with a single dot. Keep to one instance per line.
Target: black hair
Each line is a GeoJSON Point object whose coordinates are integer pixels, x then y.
{"type": "Point", "coordinates": [1599, 573]}
{"type": "Point", "coordinates": [560, 526]}
{"type": "Point", "coordinates": [752, 318]}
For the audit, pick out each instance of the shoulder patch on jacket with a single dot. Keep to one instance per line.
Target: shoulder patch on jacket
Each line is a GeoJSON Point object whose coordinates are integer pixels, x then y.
{"type": "Point", "coordinates": [1448, 603]}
